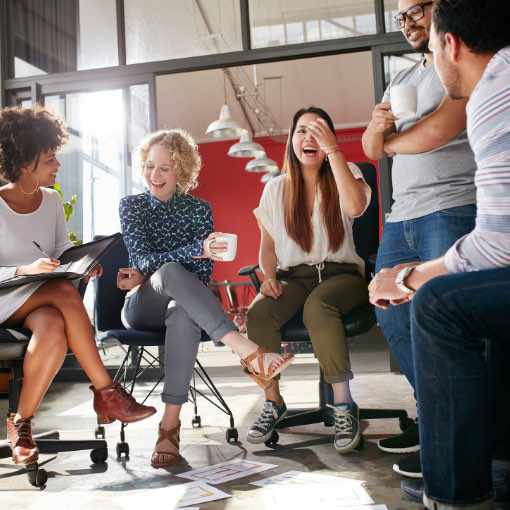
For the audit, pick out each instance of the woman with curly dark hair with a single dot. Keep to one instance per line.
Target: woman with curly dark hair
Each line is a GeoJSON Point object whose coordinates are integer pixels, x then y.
{"type": "Point", "coordinates": [53, 311]}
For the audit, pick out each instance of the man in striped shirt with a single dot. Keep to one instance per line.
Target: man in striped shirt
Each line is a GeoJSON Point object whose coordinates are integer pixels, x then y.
{"type": "Point", "coordinates": [464, 296]}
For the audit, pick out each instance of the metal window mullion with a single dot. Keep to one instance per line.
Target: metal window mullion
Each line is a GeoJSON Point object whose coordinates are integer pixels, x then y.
{"type": "Point", "coordinates": [121, 32]}
{"type": "Point", "coordinates": [379, 16]}
{"type": "Point", "coordinates": [245, 24]}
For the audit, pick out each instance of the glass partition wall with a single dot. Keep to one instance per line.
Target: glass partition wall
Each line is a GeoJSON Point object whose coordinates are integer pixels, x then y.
{"type": "Point", "coordinates": [97, 63]}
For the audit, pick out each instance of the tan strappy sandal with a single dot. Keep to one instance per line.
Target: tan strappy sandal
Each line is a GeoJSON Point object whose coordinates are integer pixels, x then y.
{"type": "Point", "coordinates": [167, 459]}
{"type": "Point", "coordinates": [265, 371]}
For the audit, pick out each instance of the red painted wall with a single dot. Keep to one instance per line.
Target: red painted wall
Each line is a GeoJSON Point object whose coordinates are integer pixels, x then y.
{"type": "Point", "coordinates": [233, 194]}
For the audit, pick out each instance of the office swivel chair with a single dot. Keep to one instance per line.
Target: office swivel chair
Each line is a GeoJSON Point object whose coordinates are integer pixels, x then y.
{"type": "Point", "coordinates": [13, 345]}
{"type": "Point", "coordinates": [358, 321]}
{"type": "Point", "coordinates": [107, 311]}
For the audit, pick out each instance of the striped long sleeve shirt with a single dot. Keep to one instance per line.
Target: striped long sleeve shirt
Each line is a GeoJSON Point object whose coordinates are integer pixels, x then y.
{"type": "Point", "coordinates": [488, 125]}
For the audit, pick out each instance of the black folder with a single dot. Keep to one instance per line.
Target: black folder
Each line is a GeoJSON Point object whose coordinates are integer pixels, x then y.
{"type": "Point", "coordinates": [75, 263]}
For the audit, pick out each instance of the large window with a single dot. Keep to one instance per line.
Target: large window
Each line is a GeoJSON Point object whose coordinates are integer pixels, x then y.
{"type": "Point", "coordinates": [95, 163]}
{"type": "Point", "coordinates": [54, 36]}
{"type": "Point", "coordinates": [167, 29]}
{"type": "Point", "coordinates": [390, 9]}
{"type": "Point", "coordinates": [299, 21]}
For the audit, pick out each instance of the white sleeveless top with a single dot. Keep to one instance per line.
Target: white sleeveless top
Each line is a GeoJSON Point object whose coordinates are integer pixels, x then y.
{"type": "Point", "coordinates": [46, 226]}
{"type": "Point", "coordinates": [270, 213]}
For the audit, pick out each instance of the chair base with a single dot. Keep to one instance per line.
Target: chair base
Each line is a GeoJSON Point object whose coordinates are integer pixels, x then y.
{"type": "Point", "coordinates": [49, 443]}
{"type": "Point", "coordinates": [297, 417]}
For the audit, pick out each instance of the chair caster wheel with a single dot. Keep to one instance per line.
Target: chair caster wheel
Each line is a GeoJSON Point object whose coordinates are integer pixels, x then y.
{"type": "Point", "coordinates": [196, 422]}
{"type": "Point", "coordinates": [405, 422]}
{"type": "Point", "coordinates": [122, 449]}
{"type": "Point", "coordinates": [99, 455]}
{"type": "Point", "coordinates": [232, 436]}
{"type": "Point", "coordinates": [273, 440]}
{"type": "Point", "coordinates": [37, 477]}
{"type": "Point", "coordinates": [99, 432]}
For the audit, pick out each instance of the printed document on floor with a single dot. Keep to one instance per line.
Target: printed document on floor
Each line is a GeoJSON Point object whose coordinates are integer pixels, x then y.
{"type": "Point", "coordinates": [227, 471]}
{"type": "Point", "coordinates": [296, 490]}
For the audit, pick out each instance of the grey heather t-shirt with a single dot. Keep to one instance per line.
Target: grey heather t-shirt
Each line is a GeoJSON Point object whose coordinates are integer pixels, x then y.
{"type": "Point", "coordinates": [438, 179]}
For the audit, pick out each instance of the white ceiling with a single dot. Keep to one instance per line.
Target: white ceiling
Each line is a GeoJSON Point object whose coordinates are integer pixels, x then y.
{"type": "Point", "coordinates": [341, 84]}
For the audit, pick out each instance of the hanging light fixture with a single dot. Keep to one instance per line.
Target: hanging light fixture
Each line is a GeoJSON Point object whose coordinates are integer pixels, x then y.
{"type": "Point", "coordinates": [262, 164]}
{"type": "Point", "coordinates": [246, 148]}
{"type": "Point", "coordinates": [270, 175]}
{"type": "Point", "coordinates": [225, 126]}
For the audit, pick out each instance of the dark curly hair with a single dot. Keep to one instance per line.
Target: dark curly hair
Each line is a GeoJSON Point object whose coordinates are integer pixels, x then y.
{"type": "Point", "coordinates": [24, 134]}
{"type": "Point", "coordinates": [482, 26]}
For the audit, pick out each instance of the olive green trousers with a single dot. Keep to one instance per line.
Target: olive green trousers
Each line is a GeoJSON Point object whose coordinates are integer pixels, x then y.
{"type": "Point", "coordinates": [342, 289]}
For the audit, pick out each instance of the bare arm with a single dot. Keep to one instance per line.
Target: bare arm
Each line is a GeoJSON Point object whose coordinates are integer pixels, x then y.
{"type": "Point", "coordinates": [267, 254]}
{"type": "Point", "coordinates": [268, 262]}
{"type": "Point", "coordinates": [431, 132]}
{"type": "Point", "coordinates": [352, 191]}
{"type": "Point", "coordinates": [380, 127]}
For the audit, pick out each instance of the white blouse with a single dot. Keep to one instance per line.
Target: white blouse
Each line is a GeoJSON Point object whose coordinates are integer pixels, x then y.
{"type": "Point", "coordinates": [47, 226]}
{"type": "Point", "coordinates": [270, 213]}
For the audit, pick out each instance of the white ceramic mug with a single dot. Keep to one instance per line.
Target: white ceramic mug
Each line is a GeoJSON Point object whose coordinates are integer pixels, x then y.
{"type": "Point", "coordinates": [404, 101]}
{"type": "Point", "coordinates": [231, 241]}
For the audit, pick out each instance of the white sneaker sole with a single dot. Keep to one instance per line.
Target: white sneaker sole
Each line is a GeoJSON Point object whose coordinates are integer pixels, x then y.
{"type": "Point", "coordinates": [264, 438]}
{"type": "Point", "coordinates": [407, 474]}
{"type": "Point", "coordinates": [410, 449]}
{"type": "Point", "coordinates": [352, 446]}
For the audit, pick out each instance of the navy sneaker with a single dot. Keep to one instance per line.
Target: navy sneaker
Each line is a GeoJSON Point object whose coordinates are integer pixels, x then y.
{"type": "Point", "coordinates": [347, 429]}
{"type": "Point", "coordinates": [263, 427]}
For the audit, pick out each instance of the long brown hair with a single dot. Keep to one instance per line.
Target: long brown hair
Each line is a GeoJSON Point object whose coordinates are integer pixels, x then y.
{"type": "Point", "coordinates": [297, 220]}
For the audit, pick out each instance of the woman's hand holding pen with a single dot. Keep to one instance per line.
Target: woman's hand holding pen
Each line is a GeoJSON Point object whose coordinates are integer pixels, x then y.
{"type": "Point", "coordinates": [44, 265]}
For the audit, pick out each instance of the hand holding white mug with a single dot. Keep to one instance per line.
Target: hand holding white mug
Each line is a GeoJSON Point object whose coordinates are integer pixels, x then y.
{"type": "Point", "coordinates": [220, 246]}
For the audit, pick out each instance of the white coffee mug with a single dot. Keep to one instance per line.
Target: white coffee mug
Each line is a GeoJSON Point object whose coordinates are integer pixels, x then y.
{"type": "Point", "coordinates": [404, 101]}
{"type": "Point", "coordinates": [231, 241]}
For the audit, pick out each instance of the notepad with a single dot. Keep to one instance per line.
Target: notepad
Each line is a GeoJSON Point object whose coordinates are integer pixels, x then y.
{"type": "Point", "coordinates": [75, 263]}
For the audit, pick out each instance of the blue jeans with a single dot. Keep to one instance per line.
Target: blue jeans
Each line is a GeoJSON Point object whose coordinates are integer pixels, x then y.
{"type": "Point", "coordinates": [423, 239]}
{"type": "Point", "coordinates": [450, 316]}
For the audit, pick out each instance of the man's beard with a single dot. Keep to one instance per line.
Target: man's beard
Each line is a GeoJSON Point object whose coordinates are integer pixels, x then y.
{"type": "Point", "coordinates": [424, 47]}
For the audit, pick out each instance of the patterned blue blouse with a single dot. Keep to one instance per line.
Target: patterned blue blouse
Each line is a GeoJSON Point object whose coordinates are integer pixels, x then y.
{"type": "Point", "coordinates": [158, 232]}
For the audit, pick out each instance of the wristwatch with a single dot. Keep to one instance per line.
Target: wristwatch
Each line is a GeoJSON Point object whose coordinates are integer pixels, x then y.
{"type": "Point", "coordinates": [400, 280]}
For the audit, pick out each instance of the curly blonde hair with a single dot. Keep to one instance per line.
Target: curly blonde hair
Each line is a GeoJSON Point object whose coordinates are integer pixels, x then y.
{"type": "Point", "coordinates": [182, 149]}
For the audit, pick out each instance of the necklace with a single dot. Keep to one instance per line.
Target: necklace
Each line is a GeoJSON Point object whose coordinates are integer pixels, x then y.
{"type": "Point", "coordinates": [31, 192]}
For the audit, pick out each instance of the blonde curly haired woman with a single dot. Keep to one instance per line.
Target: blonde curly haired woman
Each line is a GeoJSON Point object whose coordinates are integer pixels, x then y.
{"type": "Point", "coordinates": [171, 243]}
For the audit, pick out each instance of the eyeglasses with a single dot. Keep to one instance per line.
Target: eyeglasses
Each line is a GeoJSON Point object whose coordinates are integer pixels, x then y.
{"type": "Point", "coordinates": [414, 13]}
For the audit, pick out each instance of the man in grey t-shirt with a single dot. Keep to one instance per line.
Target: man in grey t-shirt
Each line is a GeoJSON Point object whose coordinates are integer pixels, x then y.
{"type": "Point", "coordinates": [433, 190]}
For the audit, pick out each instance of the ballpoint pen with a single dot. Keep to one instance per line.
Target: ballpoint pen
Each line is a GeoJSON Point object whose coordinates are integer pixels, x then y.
{"type": "Point", "coordinates": [38, 246]}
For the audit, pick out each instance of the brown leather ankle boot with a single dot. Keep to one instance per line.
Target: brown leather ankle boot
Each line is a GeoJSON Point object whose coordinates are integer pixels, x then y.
{"type": "Point", "coordinates": [114, 403]}
{"type": "Point", "coordinates": [19, 434]}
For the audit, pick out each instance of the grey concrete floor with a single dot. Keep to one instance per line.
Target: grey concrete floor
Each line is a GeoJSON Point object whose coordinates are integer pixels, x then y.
{"type": "Point", "coordinates": [75, 483]}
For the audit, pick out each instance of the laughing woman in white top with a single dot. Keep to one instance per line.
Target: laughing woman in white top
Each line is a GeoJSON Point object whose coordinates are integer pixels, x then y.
{"type": "Point", "coordinates": [308, 259]}
{"type": "Point", "coordinates": [31, 214]}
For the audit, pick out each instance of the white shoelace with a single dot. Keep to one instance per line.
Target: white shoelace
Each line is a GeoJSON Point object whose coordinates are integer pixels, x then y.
{"type": "Point", "coordinates": [266, 416]}
{"type": "Point", "coordinates": [344, 420]}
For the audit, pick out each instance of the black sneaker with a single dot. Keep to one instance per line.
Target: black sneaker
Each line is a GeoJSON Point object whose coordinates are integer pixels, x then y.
{"type": "Point", "coordinates": [263, 427]}
{"type": "Point", "coordinates": [407, 442]}
{"type": "Point", "coordinates": [409, 466]}
{"type": "Point", "coordinates": [347, 430]}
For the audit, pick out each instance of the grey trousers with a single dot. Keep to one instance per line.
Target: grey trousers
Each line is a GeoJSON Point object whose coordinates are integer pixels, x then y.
{"type": "Point", "coordinates": [176, 300]}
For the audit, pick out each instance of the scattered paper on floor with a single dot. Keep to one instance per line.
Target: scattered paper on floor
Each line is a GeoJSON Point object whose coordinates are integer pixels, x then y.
{"type": "Point", "coordinates": [296, 490]}
{"type": "Point", "coordinates": [227, 471]}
